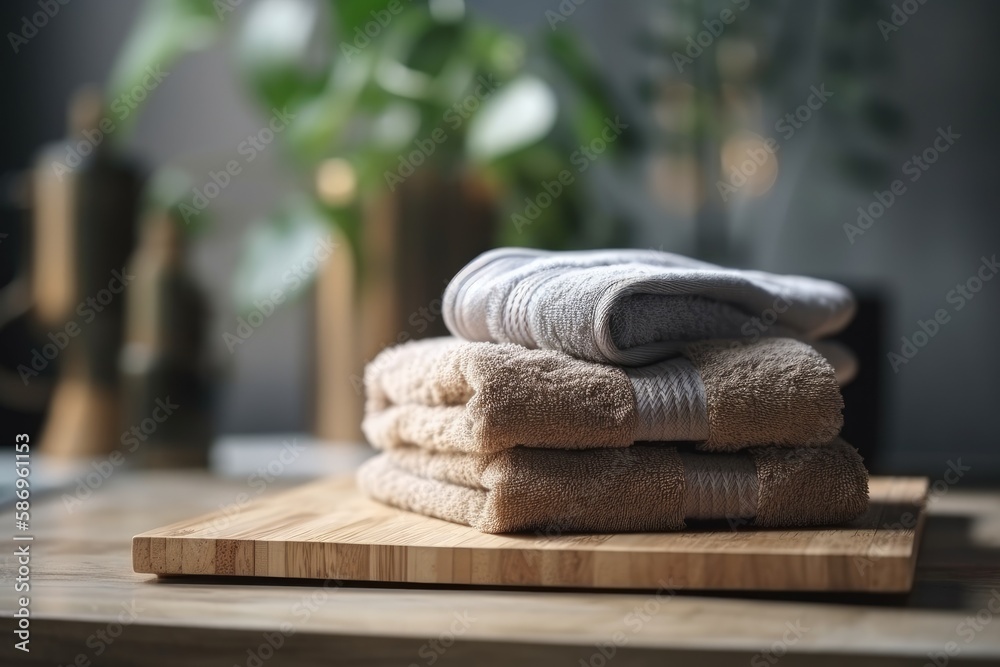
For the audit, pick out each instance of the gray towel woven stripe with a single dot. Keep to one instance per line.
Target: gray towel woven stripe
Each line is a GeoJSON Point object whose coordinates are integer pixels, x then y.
{"type": "Point", "coordinates": [719, 486]}
{"type": "Point", "coordinates": [517, 309]}
{"type": "Point", "coordinates": [568, 300]}
{"type": "Point", "coordinates": [669, 401]}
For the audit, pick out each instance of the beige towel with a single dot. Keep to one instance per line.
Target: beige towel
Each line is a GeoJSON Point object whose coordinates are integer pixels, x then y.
{"type": "Point", "coordinates": [649, 487]}
{"type": "Point", "coordinates": [449, 395]}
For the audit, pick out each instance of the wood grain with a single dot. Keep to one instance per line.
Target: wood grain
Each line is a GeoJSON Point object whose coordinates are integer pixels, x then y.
{"type": "Point", "coordinates": [413, 242]}
{"type": "Point", "coordinates": [82, 579]}
{"type": "Point", "coordinates": [328, 530]}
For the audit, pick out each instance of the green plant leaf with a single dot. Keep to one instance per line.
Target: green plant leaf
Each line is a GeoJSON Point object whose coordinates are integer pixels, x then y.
{"type": "Point", "coordinates": [352, 15]}
{"type": "Point", "coordinates": [164, 31]}
{"type": "Point", "coordinates": [434, 48]}
{"type": "Point", "coordinates": [322, 119]}
{"type": "Point", "coordinates": [282, 253]}
{"type": "Point", "coordinates": [274, 49]}
{"type": "Point", "coordinates": [518, 115]}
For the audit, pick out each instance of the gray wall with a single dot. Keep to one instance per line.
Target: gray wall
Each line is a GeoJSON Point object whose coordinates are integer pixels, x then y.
{"type": "Point", "coordinates": [940, 405]}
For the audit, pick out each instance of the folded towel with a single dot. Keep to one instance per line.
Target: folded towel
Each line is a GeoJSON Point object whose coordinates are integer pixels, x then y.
{"type": "Point", "coordinates": [452, 395]}
{"type": "Point", "coordinates": [649, 487]}
{"type": "Point", "coordinates": [631, 307]}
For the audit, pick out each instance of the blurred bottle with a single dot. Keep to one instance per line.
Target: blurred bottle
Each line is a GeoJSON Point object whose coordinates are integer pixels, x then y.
{"type": "Point", "coordinates": [83, 201]}
{"type": "Point", "coordinates": [166, 415]}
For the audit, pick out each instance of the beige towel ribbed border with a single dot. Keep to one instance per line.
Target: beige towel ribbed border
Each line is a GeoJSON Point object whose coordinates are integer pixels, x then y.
{"type": "Point", "coordinates": [449, 395]}
{"type": "Point", "coordinates": [648, 487]}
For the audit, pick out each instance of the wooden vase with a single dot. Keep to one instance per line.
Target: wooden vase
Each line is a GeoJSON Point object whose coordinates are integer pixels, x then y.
{"type": "Point", "coordinates": [414, 240]}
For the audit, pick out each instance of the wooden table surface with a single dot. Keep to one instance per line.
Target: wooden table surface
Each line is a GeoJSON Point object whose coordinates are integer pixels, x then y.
{"type": "Point", "coordinates": [89, 608]}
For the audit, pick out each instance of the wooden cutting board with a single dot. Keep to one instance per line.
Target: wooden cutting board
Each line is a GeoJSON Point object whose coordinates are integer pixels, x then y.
{"type": "Point", "coordinates": [329, 530]}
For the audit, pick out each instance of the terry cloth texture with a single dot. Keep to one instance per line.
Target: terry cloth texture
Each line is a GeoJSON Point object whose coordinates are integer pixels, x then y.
{"type": "Point", "coordinates": [450, 395]}
{"type": "Point", "coordinates": [632, 307]}
{"type": "Point", "coordinates": [649, 487]}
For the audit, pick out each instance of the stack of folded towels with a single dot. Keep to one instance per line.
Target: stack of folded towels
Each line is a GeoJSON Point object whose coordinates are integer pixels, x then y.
{"type": "Point", "coordinates": [617, 391]}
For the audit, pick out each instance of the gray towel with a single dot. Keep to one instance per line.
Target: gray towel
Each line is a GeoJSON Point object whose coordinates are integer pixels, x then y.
{"type": "Point", "coordinates": [632, 307]}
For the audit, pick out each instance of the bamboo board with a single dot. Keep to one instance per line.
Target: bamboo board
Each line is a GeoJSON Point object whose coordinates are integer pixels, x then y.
{"type": "Point", "coordinates": [329, 530]}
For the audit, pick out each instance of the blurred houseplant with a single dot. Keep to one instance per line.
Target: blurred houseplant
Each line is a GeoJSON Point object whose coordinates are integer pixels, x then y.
{"type": "Point", "coordinates": [421, 135]}
{"type": "Point", "coordinates": [726, 76]}
{"type": "Point", "coordinates": [739, 91]}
